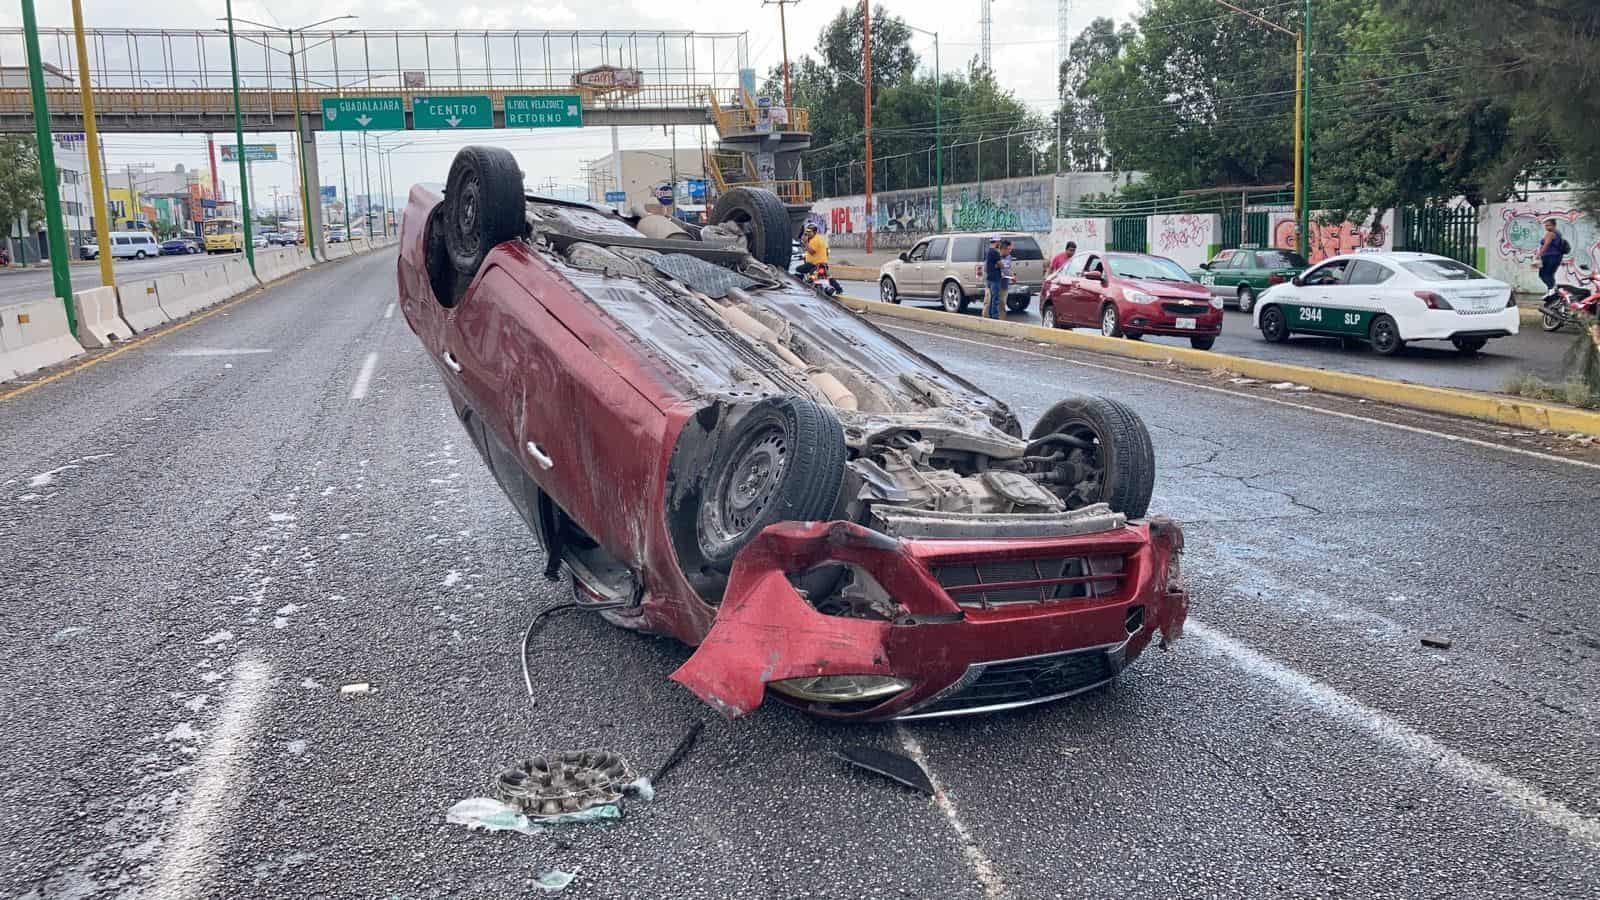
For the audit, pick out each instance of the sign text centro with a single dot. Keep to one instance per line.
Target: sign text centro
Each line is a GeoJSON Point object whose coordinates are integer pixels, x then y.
{"type": "Point", "coordinates": [544, 111]}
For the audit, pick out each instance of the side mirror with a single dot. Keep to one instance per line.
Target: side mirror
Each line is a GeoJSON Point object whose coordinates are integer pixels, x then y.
{"type": "Point", "coordinates": [1205, 265]}
{"type": "Point", "coordinates": [1297, 281]}
{"type": "Point", "coordinates": [1094, 276]}
{"type": "Point", "coordinates": [904, 256]}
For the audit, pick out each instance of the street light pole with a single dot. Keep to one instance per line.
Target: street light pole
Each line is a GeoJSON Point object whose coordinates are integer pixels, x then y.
{"type": "Point", "coordinates": [783, 32]}
{"type": "Point", "coordinates": [866, 95]}
{"type": "Point", "coordinates": [91, 139]}
{"type": "Point", "coordinates": [238, 140]}
{"type": "Point", "coordinates": [938, 126]}
{"type": "Point", "coordinates": [49, 180]}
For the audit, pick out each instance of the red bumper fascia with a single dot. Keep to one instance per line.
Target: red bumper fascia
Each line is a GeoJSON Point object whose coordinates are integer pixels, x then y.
{"type": "Point", "coordinates": [765, 631]}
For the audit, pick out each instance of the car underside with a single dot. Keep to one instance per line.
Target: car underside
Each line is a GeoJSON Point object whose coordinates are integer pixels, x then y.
{"type": "Point", "coordinates": [848, 523]}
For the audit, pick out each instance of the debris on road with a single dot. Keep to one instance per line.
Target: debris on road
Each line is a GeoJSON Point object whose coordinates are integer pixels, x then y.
{"type": "Point", "coordinates": [1288, 386]}
{"type": "Point", "coordinates": [357, 689]}
{"type": "Point", "coordinates": [488, 814]}
{"type": "Point", "coordinates": [554, 880]}
{"type": "Point", "coordinates": [566, 783]}
{"type": "Point", "coordinates": [685, 744]}
{"type": "Point", "coordinates": [1437, 643]}
{"type": "Point", "coordinates": [893, 766]}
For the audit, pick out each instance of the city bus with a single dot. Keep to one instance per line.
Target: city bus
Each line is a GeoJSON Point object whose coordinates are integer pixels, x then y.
{"type": "Point", "coordinates": [224, 236]}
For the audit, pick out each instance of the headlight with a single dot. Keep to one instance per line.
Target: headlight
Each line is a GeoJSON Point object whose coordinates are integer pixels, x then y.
{"type": "Point", "coordinates": [1216, 302]}
{"type": "Point", "coordinates": [1139, 297]}
{"type": "Point", "coordinates": [840, 688]}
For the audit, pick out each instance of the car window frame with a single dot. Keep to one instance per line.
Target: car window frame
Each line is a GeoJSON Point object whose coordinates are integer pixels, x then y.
{"type": "Point", "coordinates": [1224, 259]}
{"type": "Point", "coordinates": [1084, 270]}
{"type": "Point", "coordinates": [1017, 242]}
{"type": "Point", "coordinates": [976, 241]}
{"type": "Point", "coordinates": [1359, 266]}
{"type": "Point", "coordinates": [1342, 264]}
{"type": "Point", "coordinates": [911, 255]}
{"type": "Point", "coordinates": [944, 249]}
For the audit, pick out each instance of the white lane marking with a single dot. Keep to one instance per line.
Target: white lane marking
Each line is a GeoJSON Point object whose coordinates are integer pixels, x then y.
{"type": "Point", "coordinates": [364, 377]}
{"type": "Point", "coordinates": [219, 351]}
{"type": "Point", "coordinates": [219, 789]}
{"type": "Point", "coordinates": [1547, 457]}
{"type": "Point", "coordinates": [389, 313]}
{"type": "Point", "coordinates": [982, 868]}
{"type": "Point", "coordinates": [1513, 792]}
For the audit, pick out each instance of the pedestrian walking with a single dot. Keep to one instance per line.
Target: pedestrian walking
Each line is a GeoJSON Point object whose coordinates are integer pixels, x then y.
{"type": "Point", "coordinates": [1060, 260]}
{"type": "Point", "coordinates": [1552, 249]}
{"type": "Point", "coordinates": [993, 278]}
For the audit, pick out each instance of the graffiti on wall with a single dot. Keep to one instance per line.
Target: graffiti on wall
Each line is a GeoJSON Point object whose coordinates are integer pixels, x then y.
{"type": "Point", "coordinates": [1522, 228]}
{"type": "Point", "coordinates": [1176, 234]}
{"type": "Point", "coordinates": [1333, 238]}
{"type": "Point", "coordinates": [901, 218]}
{"type": "Point", "coordinates": [1088, 234]}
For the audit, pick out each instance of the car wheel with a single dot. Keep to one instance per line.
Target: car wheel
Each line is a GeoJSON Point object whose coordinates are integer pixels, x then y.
{"type": "Point", "coordinates": [1247, 298]}
{"type": "Point", "coordinates": [1385, 336]}
{"type": "Point", "coordinates": [1274, 327]}
{"type": "Point", "coordinates": [952, 298]}
{"type": "Point", "coordinates": [1047, 315]}
{"type": "Point", "coordinates": [1469, 346]}
{"type": "Point", "coordinates": [887, 292]}
{"type": "Point", "coordinates": [782, 462]}
{"type": "Point", "coordinates": [1202, 343]}
{"type": "Point", "coordinates": [1110, 323]}
{"type": "Point", "coordinates": [1549, 322]}
{"type": "Point", "coordinates": [763, 219]}
{"type": "Point", "coordinates": [138, 254]}
{"type": "Point", "coordinates": [1019, 304]}
{"type": "Point", "coordinates": [484, 205]}
{"type": "Point", "coordinates": [1108, 454]}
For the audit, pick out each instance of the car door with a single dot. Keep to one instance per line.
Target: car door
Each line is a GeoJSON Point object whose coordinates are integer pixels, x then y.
{"type": "Point", "coordinates": [1212, 274]}
{"type": "Point", "coordinates": [1084, 310]}
{"type": "Point", "coordinates": [1365, 294]}
{"type": "Point", "coordinates": [1240, 270]}
{"type": "Point", "coordinates": [1320, 299]}
{"type": "Point", "coordinates": [913, 273]}
{"type": "Point", "coordinates": [932, 265]}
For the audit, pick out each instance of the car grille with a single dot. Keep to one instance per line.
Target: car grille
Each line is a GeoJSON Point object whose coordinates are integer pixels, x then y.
{"type": "Point", "coordinates": [1184, 309]}
{"type": "Point", "coordinates": [989, 584]}
{"type": "Point", "coordinates": [1023, 681]}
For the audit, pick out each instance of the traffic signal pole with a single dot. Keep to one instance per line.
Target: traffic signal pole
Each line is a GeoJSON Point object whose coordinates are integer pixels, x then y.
{"type": "Point", "coordinates": [50, 182]}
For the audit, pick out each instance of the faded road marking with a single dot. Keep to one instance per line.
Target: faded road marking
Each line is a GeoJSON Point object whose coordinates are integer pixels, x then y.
{"type": "Point", "coordinates": [219, 351]}
{"type": "Point", "coordinates": [389, 313]}
{"type": "Point", "coordinates": [1513, 792]}
{"type": "Point", "coordinates": [982, 867]}
{"type": "Point", "coordinates": [219, 790]}
{"type": "Point", "coordinates": [364, 377]}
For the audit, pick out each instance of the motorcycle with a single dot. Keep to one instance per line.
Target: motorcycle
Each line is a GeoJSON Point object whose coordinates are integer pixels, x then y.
{"type": "Point", "coordinates": [1569, 304]}
{"type": "Point", "coordinates": [820, 282]}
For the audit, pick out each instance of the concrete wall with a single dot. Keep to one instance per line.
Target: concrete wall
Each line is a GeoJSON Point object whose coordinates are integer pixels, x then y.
{"type": "Point", "coordinates": [1189, 239]}
{"type": "Point", "coordinates": [901, 218]}
{"type": "Point", "coordinates": [1332, 238]}
{"type": "Point", "coordinates": [1088, 234]}
{"type": "Point", "coordinates": [1509, 235]}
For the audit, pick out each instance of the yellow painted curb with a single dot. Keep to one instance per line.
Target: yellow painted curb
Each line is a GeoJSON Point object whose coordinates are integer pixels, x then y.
{"type": "Point", "coordinates": [853, 273]}
{"type": "Point", "coordinates": [1501, 409]}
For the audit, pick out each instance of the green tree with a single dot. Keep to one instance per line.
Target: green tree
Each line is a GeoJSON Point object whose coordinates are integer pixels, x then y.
{"type": "Point", "coordinates": [1080, 121]}
{"type": "Point", "coordinates": [21, 196]}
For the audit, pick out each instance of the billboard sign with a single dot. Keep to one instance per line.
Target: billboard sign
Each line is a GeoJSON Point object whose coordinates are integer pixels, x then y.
{"type": "Point", "coordinates": [252, 152]}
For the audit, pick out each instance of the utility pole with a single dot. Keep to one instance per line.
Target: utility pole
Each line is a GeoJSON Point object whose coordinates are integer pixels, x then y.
{"type": "Point", "coordinates": [783, 32]}
{"type": "Point", "coordinates": [49, 180]}
{"type": "Point", "coordinates": [91, 148]}
{"type": "Point", "coordinates": [344, 181]}
{"type": "Point", "coordinates": [866, 84]}
{"type": "Point", "coordinates": [938, 126]}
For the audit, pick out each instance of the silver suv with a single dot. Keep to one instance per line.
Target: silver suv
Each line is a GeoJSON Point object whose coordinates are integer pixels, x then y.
{"type": "Point", "coordinates": [950, 267]}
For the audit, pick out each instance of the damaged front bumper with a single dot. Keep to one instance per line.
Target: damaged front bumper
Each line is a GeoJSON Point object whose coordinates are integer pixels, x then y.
{"type": "Point", "coordinates": [970, 626]}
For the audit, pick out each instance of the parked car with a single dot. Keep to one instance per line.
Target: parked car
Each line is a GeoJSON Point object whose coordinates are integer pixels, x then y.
{"type": "Point", "coordinates": [1131, 295]}
{"type": "Point", "coordinates": [716, 453]}
{"type": "Point", "coordinates": [338, 235]}
{"type": "Point", "coordinates": [1239, 276]}
{"type": "Point", "coordinates": [125, 245]}
{"type": "Point", "coordinates": [1389, 299]}
{"type": "Point", "coordinates": [179, 247]}
{"type": "Point", "coordinates": [258, 240]}
{"type": "Point", "coordinates": [950, 267]}
{"type": "Point", "coordinates": [283, 238]}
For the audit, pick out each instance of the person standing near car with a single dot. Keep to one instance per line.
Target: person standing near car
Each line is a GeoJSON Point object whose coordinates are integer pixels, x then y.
{"type": "Point", "coordinates": [992, 279]}
{"type": "Point", "coordinates": [1060, 260]}
{"type": "Point", "coordinates": [1552, 249]}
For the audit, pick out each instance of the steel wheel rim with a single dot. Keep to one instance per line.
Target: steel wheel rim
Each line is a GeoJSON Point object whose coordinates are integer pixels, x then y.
{"type": "Point", "coordinates": [951, 301]}
{"type": "Point", "coordinates": [1108, 322]}
{"type": "Point", "coordinates": [1384, 335]}
{"type": "Point", "coordinates": [747, 488]}
{"type": "Point", "coordinates": [1049, 317]}
{"type": "Point", "coordinates": [886, 290]}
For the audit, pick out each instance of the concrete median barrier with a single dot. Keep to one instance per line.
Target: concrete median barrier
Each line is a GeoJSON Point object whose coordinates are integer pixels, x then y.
{"type": "Point", "coordinates": [99, 323]}
{"type": "Point", "coordinates": [1498, 408]}
{"type": "Point", "coordinates": [33, 335]}
{"type": "Point", "coordinates": [239, 278]}
{"type": "Point", "coordinates": [141, 304]}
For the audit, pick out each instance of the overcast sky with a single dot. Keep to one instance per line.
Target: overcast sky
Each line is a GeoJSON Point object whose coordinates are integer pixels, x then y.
{"type": "Point", "coordinates": [1024, 38]}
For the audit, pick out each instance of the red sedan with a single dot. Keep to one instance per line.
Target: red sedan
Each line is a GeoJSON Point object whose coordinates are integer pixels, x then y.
{"type": "Point", "coordinates": [714, 452]}
{"type": "Point", "coordinates": [1131, 295]}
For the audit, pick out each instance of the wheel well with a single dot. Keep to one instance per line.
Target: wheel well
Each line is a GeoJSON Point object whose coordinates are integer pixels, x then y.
{"type": "Point", "coordinates": [1245, 286]}
{"type": "Point", "coordinates": [949, 281]}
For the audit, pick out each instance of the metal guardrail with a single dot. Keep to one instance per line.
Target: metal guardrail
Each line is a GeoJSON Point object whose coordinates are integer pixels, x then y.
{"type": "Point", "coordinates": [787, 191]}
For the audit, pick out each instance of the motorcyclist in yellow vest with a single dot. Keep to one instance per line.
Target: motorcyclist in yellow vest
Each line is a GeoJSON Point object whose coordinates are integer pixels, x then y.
{"type": "Point", "coordinates": [814, 247]}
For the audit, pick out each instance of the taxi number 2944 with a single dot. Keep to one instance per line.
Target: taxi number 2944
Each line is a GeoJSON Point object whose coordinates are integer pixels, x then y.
{"type": "Point", "coordinates": [1317, 318]}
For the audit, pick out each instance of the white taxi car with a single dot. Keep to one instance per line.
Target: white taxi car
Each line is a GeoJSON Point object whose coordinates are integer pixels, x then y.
{"type": "Point", "coordinates": [1388, 299]}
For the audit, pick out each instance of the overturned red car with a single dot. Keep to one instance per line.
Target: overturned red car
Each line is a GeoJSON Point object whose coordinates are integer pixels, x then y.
{"type": "Point", "coordinates": [715, 452]}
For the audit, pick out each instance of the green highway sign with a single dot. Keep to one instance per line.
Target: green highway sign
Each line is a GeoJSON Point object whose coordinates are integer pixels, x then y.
{"type": "Point", "coordinates": [363, 114]}
{"type": "Point", "coordinates": [453, 112]}
{"type": "Point", "coordinates": [544, 111]}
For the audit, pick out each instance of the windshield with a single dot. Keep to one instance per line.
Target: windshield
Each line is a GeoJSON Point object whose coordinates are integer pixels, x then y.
{"type": "Point", "coordinates": [221, 226]}
{"type": "Point", "coordinates": [1154, 268]}
{"type": "Point", "coordinates": [1442, 270]}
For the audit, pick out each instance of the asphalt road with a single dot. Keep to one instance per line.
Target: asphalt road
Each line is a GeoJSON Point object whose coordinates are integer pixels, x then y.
{"type": "Point", "coordinates": [1433, 363]}
{"type": "Point", "coordinates": [17, 285]}
{"type": "Point", "coordinates": [209, 534]}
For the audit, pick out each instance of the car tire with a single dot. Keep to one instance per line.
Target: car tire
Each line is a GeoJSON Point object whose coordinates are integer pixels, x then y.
{"type": "Point", "coordinates": [1247, 298]}
{"type": "Point", "coordinates": [887, 291]}
{"type": "Point", "coordinates": [1384, 336]}
{"type": "Point", "coordinates": [138, 254]}
{"type": "Point", "coordinates": [1274, 327]}
{"type": "Point", "coordinates": [782, 461]}
{"type": "Point", "coordinates": [952, 297]}
{"type": "Point", "coordinates": [1202, 343]}
{"type": "Point", "coordinates": [1047, 315]}
{"type": "Point", "coordinates": [1019, 304]}
{"type": "Point", "coordinates": [1123, 452]}
{"type": "Point", "coordinates": [484, 205]}
{"type": "Point", "coordinates": [763, 219]}
{"type": "Point", "coordinates": [1469, 346]}
{"type": "Point", "coordinates": [1110, 321]}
